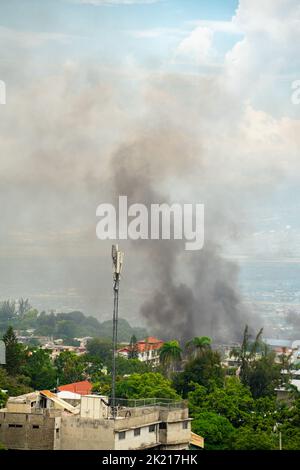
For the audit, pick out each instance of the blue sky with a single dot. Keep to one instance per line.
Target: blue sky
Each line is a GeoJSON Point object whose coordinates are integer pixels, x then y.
{"type": "Point", "coordinates": [110, 32]}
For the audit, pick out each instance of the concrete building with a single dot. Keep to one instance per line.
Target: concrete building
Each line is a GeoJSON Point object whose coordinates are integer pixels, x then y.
{"type": "Point", "coordinates": [147, 350]}
{"type": "Point", "coordinates": [41, 420]}
{"type": "Point", "coordinates": [33, 421]}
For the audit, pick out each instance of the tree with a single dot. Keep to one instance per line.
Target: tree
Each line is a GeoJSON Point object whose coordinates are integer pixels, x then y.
{"type": "Point", "coordinates": [15, 355]}
{"type": "Point", "coordinates": [15, 385]}
{"type": "Point", "coordinates": [133, 348]}
{"type": "Point", "coordinates": [248, 439]}
{"type": "Point", "coordinates": [7, 310]}
{"type": "Point", "coordinates": [217, 430]}
{"type": "Point", "coordinates": [246, 353]}
{"type": "Point", "coordinates": [149, 385]}
{"type": "Point", "coordinates": [233, 401]}
{"type": "Point", "coordinates": [261, 374]}
{"type": "Point", "coordinates": [40, 369]}
{"type": "Point", "coordinates": [264, 376]}
{"type": "Point", "coordinates": [205, 370]}
{"type": "Point", "coordinates": [23, 307]}
{"type": "Point", "coordinates": [130, 366]}
{"type": "Point", "coordinates": [170, 355]}
{"type": "Point", "coordinates": [29, 319]}
{"type": "Point", "coordinates": [101, 348]}
{"type": "Point", "coordinates": [197, 345]}
{"type": "Point", "coordinates": [3, 399]}
{"type": "Point", "coordinates": [70, 367]}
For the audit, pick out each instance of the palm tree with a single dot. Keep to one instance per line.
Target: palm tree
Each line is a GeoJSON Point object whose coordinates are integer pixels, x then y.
{"type": "Point", "coordinates": [197, 345]}
{"type": "Point", "coordinates": [170, 355]}
{"type": "Point", "coordinates": [247, 352]}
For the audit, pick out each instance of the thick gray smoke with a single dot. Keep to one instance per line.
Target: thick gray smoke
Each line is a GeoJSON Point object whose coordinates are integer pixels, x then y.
{"type": "Point", "coordinates": [193, 293]}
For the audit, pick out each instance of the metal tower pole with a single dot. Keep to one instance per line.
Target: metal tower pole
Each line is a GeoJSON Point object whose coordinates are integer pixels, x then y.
{"type": "Point", "coordinates": [115, 340]}
{"type": "Point", "coordinates": [117, 257]}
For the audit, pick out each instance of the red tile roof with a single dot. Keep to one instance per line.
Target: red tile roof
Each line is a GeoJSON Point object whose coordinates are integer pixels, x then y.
{"type": "Point", "coordinates": [147, 344]}
{"type": "Point", "coordinates": [82, 388]}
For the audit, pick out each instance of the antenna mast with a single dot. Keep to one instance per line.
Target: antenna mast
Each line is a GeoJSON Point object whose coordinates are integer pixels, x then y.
{"type": "Point", "coordinates": [117, 258]}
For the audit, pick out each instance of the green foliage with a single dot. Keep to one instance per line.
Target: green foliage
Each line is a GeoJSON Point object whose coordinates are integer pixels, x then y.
{"type": "Point", "coordinates": [130, 366]}
{"type": "Point", "coordinates": [102, 385]}
{"type": "Point", "coordinates": [40, 369]}
{"type": "Point", "coordinates": [23, 307]}
{"type": "Point", "coordinates": [264, 376]}
{"type": "Point", "coordinates": [100, 348]}
{"type": "Point", "coordinates": [197, 345]}
{"type": "Point", "coordinates": [15, 353]}
{"type": "Point", "coordinates": [149, 385]}
{"type": "Point", "coordinates": [217, 430]}
{"type": "Point", "coordinates": [234, 401]}
{"type": "Point", "coordinates": [261, 374]}
{"type": "Point", "coordinates": [205, 370]}
{"type": "Point", "coordinates": [125, 331]}
{"type": "Point", "coordinates": [7, 311]}
{"type": "Point", "coordinates": [248, 439]}
{"type": "Point", "coordinates": [15, 385]}
{"type": "Point", "coordinates": [70, 367]}
{"type": "Point", "coordinates": [3, 399]}
{"type": "Point", "coordinates": [170, 356]}
{"type": "Point", "coordinates": [133, 348]}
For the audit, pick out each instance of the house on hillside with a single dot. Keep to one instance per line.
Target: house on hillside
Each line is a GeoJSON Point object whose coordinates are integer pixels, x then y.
{"type": "Point", "coordinates": [147, 350]}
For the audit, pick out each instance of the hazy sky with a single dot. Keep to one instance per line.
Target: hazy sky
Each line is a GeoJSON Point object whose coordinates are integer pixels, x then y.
{"type": "Point", "coordinates": [84, 77]}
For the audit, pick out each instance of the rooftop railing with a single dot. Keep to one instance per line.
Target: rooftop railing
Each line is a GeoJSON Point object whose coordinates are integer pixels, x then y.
{"type": "Point", "coordinates": [149, 402]}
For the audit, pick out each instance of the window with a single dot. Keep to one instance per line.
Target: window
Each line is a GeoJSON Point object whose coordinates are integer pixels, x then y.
{"type": "Point", "coordinates": [35, 426]}
{"type": "Point", "coordinates": [185, 425]}
{"type": "Point", "coordinates": [137, 432]}
{"type": "Point", "coordinates": [162, 425]}
{"type": "Point", "coordinates": [57, 432]}
{"type": "Point", "coordinates": [122, 435]}
{"type": "Point", "coordinates": [15, 425]}
{"type": "Point", "coordinates": [152, 428]}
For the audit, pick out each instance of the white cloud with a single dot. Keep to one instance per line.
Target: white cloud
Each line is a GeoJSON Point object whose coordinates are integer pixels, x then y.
{"type": "Point", "coordinates": [269, 49]}
{"type": "Point", "coordinates": [218, 26]}
{"type": "Point", "coordinates": [197, 47]}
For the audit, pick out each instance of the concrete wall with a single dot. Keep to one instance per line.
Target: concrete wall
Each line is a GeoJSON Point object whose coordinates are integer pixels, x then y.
{"type": "Point", "coordinates": [137, 417]}
{"type": "Point", "coordinates": [175, 435]}
{"type": "Point", "coordinates": [53, 429]}
{"type": "Point", "coordinates": [145, 440]}
{"type": "Point", "coordinates": [93, 407]}
{"type": "Point", "coordinates": [29, 431]}
{"type": "Point", "coordinates": [80, 433]}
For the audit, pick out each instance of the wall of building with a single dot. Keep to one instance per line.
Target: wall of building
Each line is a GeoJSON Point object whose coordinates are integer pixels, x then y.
{"type": "Point", "coordinates": [80, 433]}
{"type": "Point", "coordinates": [177, 435]}
{"type": "Point", "coordinates": [137, 417]}
{"type": "Point", "coordinates": [29, 431]}
{"type": "Point", "coordinates": [144, 440]}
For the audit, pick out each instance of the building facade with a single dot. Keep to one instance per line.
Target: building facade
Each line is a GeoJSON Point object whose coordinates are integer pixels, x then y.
{"type": "Point", "coordinates": [43, 421]}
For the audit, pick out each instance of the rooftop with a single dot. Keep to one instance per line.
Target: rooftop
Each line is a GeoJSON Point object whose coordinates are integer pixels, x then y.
{"type": "Point", "coordinates": [82, 388]}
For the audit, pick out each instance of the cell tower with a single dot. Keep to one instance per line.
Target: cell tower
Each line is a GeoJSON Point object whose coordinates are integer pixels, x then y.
{"type": "Point", "coordinates": [117, 258]}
